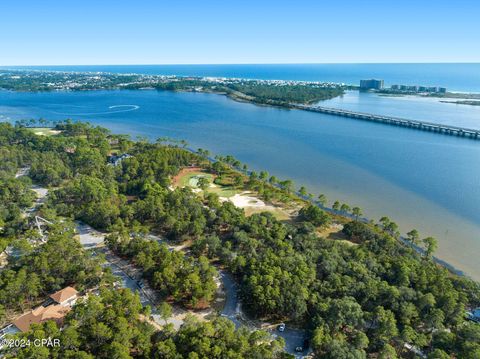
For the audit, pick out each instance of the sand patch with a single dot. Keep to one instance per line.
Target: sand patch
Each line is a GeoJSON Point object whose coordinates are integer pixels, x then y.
{"type": "Point", "coordinates": [252, 205]}
{"type": "Point", "coordinates": [243, 200]}
{"type": "Point", "coordinates": [51, 132]}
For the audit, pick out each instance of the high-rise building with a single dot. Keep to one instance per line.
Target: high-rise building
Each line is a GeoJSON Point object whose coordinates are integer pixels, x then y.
{"type": "Point", "coordinates": [371, 84]}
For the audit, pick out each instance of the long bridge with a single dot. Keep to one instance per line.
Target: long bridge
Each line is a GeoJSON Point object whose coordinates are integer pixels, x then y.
{"type": "Point", "coordinates": [396, 121]}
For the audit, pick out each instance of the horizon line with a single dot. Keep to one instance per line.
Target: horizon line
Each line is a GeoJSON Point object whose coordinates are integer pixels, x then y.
{"type": "Point", "coordinates": [251, 63]}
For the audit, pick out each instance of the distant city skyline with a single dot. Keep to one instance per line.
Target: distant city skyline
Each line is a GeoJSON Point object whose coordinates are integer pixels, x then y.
{"type": "Point", "coordinates": [111, 32]}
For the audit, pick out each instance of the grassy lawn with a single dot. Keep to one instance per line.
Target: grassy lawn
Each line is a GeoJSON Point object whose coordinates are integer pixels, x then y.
{"type": "Point", "coordinates": [224, 191]}
{"type": "Point", "coordinates": [44, 131]}
{"type": "Point", "coordinates": [190, 179]}
{"type": "Point", "coordinates": [279, 214]}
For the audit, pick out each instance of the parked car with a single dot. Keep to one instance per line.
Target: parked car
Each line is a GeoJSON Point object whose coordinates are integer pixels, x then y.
{"type": "Point", "coordinates": [281, 327]}
{"type": "Point", "coordinates": [474, 315]}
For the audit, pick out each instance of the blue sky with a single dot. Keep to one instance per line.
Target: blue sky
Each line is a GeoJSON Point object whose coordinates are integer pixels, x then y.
{"type": "Point", "coordinates": [52, 32]}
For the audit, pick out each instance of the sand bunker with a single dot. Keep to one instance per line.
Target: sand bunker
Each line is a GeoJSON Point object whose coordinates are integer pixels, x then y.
{"type": "Point", "coordinates": [242, 200]}
{"type": "Point", "coordinates": [245, 200]}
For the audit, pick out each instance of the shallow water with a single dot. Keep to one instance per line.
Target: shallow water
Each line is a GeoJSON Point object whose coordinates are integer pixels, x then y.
{"type": "Point", "coordinates": [419, 179]}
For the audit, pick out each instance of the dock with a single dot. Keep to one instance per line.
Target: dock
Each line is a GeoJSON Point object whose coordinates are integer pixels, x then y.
{"type": "Point", "coordinates": [396, 121]}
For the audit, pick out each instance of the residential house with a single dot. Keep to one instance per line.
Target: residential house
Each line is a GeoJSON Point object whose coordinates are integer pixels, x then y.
{"type": "Point", "coordinates": [61, 303]}
{"type": "Point", "coordinates": [65, 297]}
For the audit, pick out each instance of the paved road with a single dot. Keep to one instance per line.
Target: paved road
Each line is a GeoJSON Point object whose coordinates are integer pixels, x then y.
{"type": "Point", "coordinates": [293, 338]}
{"type": "Point", "coordinates": [130, 277]}
{"type": "Point", "coordinates": [232, 310]}
{"type": "Point", "coordinates": [89, 237]}
{"type": "Point", "coordinates": [22, 172]}
{"type": "Point", "coordinates": [40, 192]}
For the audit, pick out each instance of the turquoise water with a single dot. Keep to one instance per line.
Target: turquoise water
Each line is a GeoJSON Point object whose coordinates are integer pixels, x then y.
{"type": "Point", "coordinates": [456, 77]}
{"type": "Point", "coordinates": [422, 180]}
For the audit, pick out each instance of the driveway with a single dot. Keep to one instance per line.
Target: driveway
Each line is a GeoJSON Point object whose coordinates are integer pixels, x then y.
{"type": "Point", "coordinates": [89, 237]}
{"type": "Point", "coordinates": [232, 310]}
{"type": "Point", "coordinates": [293, 338]}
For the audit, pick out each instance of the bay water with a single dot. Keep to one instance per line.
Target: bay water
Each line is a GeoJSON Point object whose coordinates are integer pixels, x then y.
{"type": "Point", "coordinates": [419, 179]}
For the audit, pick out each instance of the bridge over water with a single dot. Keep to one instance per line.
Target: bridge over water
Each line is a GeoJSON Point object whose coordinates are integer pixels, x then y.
{"type": "Point", "coordinates": [396, 121]}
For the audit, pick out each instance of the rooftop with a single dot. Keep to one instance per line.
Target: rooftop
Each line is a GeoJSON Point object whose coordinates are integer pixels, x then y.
{"type": "Point", "coordinates": [41, 314]}
{"type": "Point", "coordinates": [64, 294]}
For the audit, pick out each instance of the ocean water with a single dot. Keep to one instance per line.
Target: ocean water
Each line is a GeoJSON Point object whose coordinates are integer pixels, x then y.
{"type": "Point", "coordinates": [421, 180]}
{"type": "Point", "coordinates": [456, 77]}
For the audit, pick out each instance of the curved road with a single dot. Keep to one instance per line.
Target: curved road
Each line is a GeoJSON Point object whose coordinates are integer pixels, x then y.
{"type": "Point", "coordinates": [91, 238]}
{"type": "Point", "coordinates": [232, 310]}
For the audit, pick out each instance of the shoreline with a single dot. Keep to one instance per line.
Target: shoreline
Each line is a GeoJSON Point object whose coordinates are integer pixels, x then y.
{"type": "Point", "coordinates": [463, 102]}
{"type": "Point", "coordinates": [365, 206]}
{"type": "Point", "coordinates": [242, 202]}
{"type": "Point", "coordinates": [312, 105]}
{"type": "Point", "coordinates": [437, 128]}
{"type": "Point", "coordinates": [247, 199]}
{"type": "Point", "coordinates": [450, 267]}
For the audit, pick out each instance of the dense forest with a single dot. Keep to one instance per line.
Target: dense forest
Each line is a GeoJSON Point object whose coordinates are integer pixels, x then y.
{"type": "Point", "coordinates": [184, 279]}
{"type": "Point", "coordinates": [277, 94]}
{"type": "Point", "coordinates": [287, 93]}
{"type": "Point", "coordinates": [370, 295]}
{"type": "Point", "coordinates": [40, 270]}
{"type": "Point", "coordinates": [112, 325]}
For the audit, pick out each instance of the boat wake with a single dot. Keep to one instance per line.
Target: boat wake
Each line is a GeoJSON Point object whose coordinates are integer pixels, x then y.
{"type": "Point", "coordinates": [115, 108]}
{"type": "Point", "coordinates": [128, 107]}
